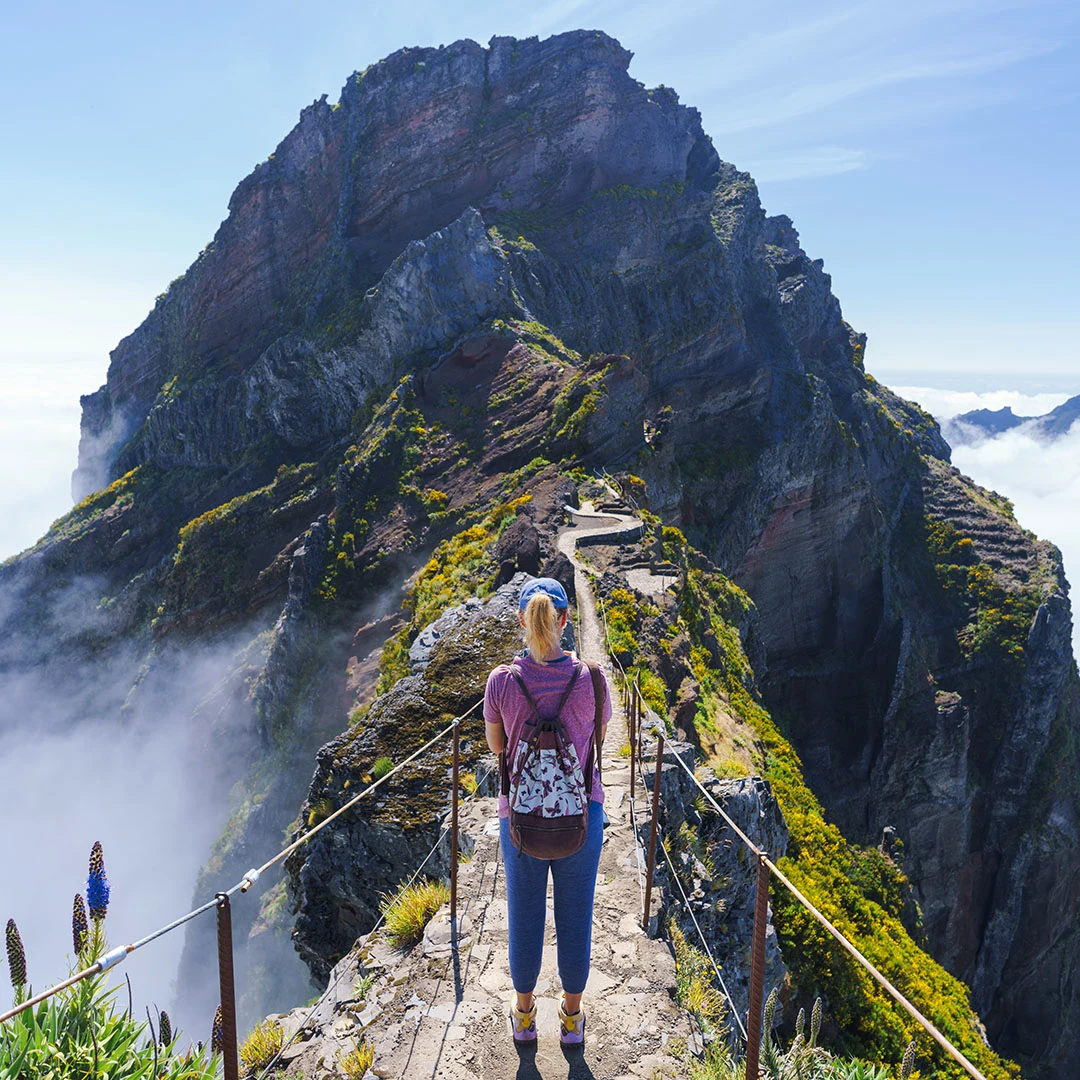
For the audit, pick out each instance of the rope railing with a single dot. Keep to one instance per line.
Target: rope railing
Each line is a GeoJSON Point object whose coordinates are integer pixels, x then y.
{"type": "Point", "coordinates": [766, 866]}
{"type": "Point", "coordinates": [332, 985]}
{"type": "Point", "coordinates": [637, 710]}
{"type": "Point", "coordinates": [221, 902]}
{"type": "Point", "coordinates": [708, 952]}
{"type": "Point", "coordinates": [764, 861]}
{"type": "Point", "coordinates": [252, 876]}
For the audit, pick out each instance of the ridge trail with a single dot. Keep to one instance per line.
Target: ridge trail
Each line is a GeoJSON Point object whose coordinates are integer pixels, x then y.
{"type": "Point", "coordinates": [438, 1012]}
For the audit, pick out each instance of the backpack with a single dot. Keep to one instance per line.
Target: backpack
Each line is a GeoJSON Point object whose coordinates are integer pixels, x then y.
{"type": "Point", "coordinates": [543, 780]}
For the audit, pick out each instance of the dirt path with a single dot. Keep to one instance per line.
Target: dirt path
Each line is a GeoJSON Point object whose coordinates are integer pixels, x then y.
{"type": "Point", "coordinates": [591, 644]}
{"type": "Point", "coordinates": [436, 1012]}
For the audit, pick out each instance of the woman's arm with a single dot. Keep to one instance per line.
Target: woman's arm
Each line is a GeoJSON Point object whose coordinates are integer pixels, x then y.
{"type": "Point", "coordinates": [493, 725]}
{"type": "Point", "coordinates": [496, 736]}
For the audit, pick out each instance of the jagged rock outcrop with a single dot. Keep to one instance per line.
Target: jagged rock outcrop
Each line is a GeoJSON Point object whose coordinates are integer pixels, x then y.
{"type": "Point", "coordinates": [413, 143]}
{"type": "Point", "coordinates": [482, 266]}
{"type": "Point", "coordinates": [338, 878]}
{"type": "Point", "coordinates": [717, 872]}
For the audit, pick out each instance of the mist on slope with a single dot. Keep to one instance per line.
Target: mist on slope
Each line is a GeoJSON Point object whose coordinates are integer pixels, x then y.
{"type": "Point", "coordinates": [39, 439]}
{"type": "Point", "coordinates": [1040, 476]}
{"type": "Point", "coordinates": [92, 760]}
{"type": "Point", "coordinates": [88, 757]}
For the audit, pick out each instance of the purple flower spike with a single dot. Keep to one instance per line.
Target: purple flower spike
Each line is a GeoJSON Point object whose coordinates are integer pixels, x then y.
{"type": "Point", "coordinates": [97, 884]}
{"type": "Point", "coordinates": [217, 1035]}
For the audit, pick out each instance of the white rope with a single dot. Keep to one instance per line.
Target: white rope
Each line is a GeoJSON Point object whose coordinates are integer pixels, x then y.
{"type": "Point", "coordinates": [701, 935]}
{"type": "Point", "coordinates": [248, 880]}
{"type": "Point", "coordinates": [382, 918]}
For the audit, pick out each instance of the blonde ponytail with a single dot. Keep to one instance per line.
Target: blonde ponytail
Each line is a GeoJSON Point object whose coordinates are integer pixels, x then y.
{"type": "Point", "coordinates": [542, 630]}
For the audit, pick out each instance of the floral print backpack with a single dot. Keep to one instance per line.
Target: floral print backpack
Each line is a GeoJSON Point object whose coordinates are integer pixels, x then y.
{"type": "Point", "coordinates": [545, 784]}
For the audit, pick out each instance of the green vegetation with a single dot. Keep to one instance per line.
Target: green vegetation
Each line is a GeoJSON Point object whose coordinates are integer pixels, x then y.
{"type": "Point", "coordinates": [519, 477]}
{"type": "Point", "coordinates": [260, 1047]}
{"type": "Point", "coordinates": [216, 561]}
{"type": "Point", "coordinates": [804, 1059]}
{"type": "Point", "coordinates": [577, 403]}
{"type": "Point", "coordinates": [410, 909]}
{"type": "Point", "coordinates": [319, 810]}
{"type": "Point", "coordinates": [625, 616]}
{"type": "Point", "coordinates": [381, 767]}
{"type": "Point", "coordinates": [859, 890]}
{"type": "Point", "coordinates": [80, 1032]}
{"type": "Point", "coordinates": [154, 489]}
{"type": "Point", "coordinates": [460, 567]}
{"type": "Point", "coordinates": [83, 1034]}
{"type": "Point", "coordinates": [1000, 618]}
{"type": "Point", "coordinates": [687, 838]}
{"type": "Point", "coordinates": [357, 1061]}
{"type": "Point", "coordinates": [694, 989]}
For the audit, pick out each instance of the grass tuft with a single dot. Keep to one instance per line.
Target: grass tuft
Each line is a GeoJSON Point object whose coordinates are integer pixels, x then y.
{"type": "Point", "coordinates": [410, 909]}
{"type": "Point", "coordinates": [357, 1061]}
{"type": "Point", "coordinates": [260, 1047]}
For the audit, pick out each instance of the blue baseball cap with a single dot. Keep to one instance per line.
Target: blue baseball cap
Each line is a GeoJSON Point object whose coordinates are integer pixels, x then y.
{"type": "Point", "coordinates": [544, 585]}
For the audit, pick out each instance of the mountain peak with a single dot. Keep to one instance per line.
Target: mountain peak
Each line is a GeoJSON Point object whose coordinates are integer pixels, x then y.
{"type": "Point", "coordinates": [524, 125]}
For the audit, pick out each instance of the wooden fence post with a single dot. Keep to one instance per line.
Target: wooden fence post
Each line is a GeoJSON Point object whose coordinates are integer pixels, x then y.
{"type": "Point", "coordinates": [757, 969]}
{"type": "Point", "coordinates": [652, 830]}
{"type": "Point", "coordinates": [228, 989]}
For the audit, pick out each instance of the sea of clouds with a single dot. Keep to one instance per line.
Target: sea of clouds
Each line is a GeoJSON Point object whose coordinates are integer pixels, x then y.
{"type": "Point", "coordinates": [39, 440]}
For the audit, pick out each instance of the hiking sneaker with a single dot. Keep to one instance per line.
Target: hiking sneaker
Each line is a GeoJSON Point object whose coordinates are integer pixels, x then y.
{"type": "Point", "coordinates": [524, 1023]}
{"type": "Point", "coordinates": [571, 1027]}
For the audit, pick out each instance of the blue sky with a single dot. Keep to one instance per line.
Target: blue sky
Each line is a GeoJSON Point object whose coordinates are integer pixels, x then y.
{"type": "Point", "coordinates": [927, 151]}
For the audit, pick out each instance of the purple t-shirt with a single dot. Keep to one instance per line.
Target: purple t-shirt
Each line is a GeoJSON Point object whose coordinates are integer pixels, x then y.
{"type": "Point", "coordinates": [505, 703]}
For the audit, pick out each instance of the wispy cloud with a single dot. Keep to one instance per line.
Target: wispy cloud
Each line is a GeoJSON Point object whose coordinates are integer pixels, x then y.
{"type": "Point", "coordinates": [795, 100]}
{"type": "Point", "coordinates": [805, 163]}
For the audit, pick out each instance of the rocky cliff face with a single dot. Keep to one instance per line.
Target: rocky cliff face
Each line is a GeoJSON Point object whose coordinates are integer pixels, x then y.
{"type": "Point", "coordinates": [414, 142]}
{"type": "Point", "coordinates": [483, 265]}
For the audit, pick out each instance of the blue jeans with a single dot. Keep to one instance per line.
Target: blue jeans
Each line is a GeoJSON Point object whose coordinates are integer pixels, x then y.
{"type": "Point", "coordinates": [574, 882]}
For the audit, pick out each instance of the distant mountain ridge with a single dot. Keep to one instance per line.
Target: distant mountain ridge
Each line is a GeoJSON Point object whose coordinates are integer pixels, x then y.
{"type": "Point", "coordinates": [987, 423]}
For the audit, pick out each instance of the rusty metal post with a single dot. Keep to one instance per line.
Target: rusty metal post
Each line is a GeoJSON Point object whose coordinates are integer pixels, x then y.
{"type": "Point", "coordinates": [757, 969]}
{"type": "Point", "coordinates": [228, 988]}
{"type": "Point", "coordinates": [652, 830]}
{"type": "Point", "coordinates": [631, 727]}
{"type": "Point", "coordinates": [639, 702]}
{"type": "Point", "coordinates": [454, 832]}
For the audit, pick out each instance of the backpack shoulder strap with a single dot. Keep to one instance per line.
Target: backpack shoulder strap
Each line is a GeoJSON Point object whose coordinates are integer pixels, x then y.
{"type": "Point", "coordinates": [598, 718]}
{"type": "Point", "coordinates": [516, 676]}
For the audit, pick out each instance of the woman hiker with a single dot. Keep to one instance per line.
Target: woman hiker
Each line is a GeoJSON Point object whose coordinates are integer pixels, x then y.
{"type": "Point", "coordinates": [517, 694]}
